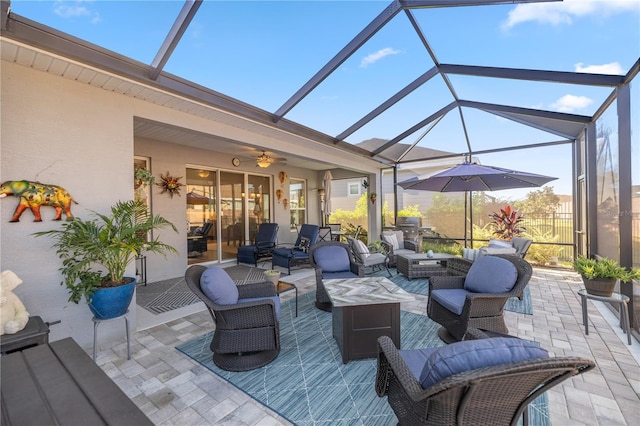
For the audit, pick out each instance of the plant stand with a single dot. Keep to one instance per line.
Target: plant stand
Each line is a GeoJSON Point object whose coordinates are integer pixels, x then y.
{"type": "Point", "coordinates": [97, 322]}
{"type": "Point", "coordinates": [615, 298]}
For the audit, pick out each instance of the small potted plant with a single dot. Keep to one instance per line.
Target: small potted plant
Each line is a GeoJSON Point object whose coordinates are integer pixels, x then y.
{"type": "Point", "coordinates": [95, 254]}
{"type": "Point", "coordinates": [600, 275]}
{"type": "Point", "coordinates": [272, 275]}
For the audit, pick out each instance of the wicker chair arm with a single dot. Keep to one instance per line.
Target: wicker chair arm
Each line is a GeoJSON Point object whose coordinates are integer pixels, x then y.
{"type": "Point", "coordinates": [390, 362]}
{"type": "Point", "coordinates": [263, 289]}
{"type": "Point", "coordinates": [484, 304]}
{"type": "Point", "coordinates": [415, 245]}
{"type": "Point", "coordinates": [387, 247]}
{"type": "Point", "coordinates": [357, 268]}
{"type": "Point", "coordinates": [446, 282]}
{"type": "Point", "coordinates": [258, 313]}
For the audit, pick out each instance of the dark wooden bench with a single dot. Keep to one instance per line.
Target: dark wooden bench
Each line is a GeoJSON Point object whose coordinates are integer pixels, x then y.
{"type": "Point", "coordinates": [58, 383]}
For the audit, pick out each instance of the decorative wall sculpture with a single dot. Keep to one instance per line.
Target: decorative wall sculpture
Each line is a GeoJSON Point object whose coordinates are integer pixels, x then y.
{"type": "Point", "coordinates": [170, 184]}
{"type": "Point", "coordinates": [282, 176]}
{"type": "Point", "coordinates": [35, 194]}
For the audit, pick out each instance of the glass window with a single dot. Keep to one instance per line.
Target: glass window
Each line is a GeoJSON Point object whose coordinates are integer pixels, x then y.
{"type": "Point", "coordinates": [353, 188]}
{"type": "Point", "coordinates": [297, 202]}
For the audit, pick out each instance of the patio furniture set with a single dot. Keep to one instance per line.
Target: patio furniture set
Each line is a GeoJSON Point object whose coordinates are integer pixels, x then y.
{"type": "Point", "coordinates": [483, 364]}
{"type": "Point", "coordinates": [466, 298]}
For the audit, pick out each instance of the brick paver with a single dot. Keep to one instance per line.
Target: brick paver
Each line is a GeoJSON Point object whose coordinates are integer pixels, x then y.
{"type": "Point", "coordinates": [173, 390]}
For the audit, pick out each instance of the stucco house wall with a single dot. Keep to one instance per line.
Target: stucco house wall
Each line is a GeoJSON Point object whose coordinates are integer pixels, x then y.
{"type": "Point", "coordinates": [59, 131]}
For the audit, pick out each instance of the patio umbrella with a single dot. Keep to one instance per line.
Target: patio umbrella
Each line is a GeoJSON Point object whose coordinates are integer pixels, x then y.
{"type": "Point", "coordinates": [469, 177]}
{"type": "Point", "coordinates": [328, 177]}
{"type": "Point", "coordinates": [193, 198]}
{"type": "Point", "coordinates": [475, 177]}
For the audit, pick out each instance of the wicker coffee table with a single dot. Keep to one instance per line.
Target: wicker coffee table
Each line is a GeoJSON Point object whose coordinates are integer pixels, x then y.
{"type": "Point", "coordinates": [420, 265]}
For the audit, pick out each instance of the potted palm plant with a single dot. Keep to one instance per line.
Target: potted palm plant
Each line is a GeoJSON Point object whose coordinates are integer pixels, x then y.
{"type": "Point", "coordinates": [95, 254]}
{"type": "Point", "coordinates": [600, 275]}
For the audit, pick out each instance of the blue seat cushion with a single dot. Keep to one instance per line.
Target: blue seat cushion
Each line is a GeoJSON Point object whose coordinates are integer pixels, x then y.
{"type": "Point", "coordinates": [451, 298]}
{"type": "Point", "coordinates": [218, 286]}
{"type": "Point", "coordinates": [275, 299]}
{"type": "Point", "coordinates": [473, 354]}
{"type": "Point", "coordinates": [490, 274]}
{"type": "Point", "coordinates": [282, 252]}
{"type": "Point", "coordinates": [416, 358]}
{"type": "Point", "coordinates": [337, 275]}
{"type": "Point", "coordinates": [332, 259]}
{"type": "Point", "coordinates": [297, 253]}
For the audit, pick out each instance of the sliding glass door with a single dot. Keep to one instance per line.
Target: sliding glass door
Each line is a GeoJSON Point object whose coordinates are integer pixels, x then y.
{"type": "Point", "coordinates": [234, 203]}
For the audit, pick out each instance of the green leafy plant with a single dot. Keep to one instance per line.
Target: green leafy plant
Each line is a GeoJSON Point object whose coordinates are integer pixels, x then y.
{"type": "Point", "coordinates": [507, 223]}
{"type": "Point", "coordinates": [95, 253]}
{"type": "Point", "coordinates": [144, 177]}
{"type": "Point", "coordinates": [604, 268]}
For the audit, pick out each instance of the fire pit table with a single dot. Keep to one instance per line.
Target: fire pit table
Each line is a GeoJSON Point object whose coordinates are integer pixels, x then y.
{"type": "Point", "coordinates": [421, 265]}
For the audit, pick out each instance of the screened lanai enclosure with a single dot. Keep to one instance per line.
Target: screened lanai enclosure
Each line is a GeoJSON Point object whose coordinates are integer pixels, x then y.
{"type": "Point", "coordinates": [412, 87]}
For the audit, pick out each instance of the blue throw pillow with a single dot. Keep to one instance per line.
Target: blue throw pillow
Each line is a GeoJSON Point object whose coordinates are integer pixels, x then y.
{"type": "Point", "coordinates": [332, 258]}
{"type": "Point", "coordinates": [473, 354]}
{"type": "Point", "coordinates": [490, 274]}
{"type": "Point", "coordinates": [218, 286]}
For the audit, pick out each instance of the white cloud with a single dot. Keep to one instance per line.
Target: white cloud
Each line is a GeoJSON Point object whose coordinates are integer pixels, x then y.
{"type": "Point", "coordinates": [558, 13]}
{"type": "Point", "coordinates": [76, 9]}
{"type": "Point", "coordinates": [374, 57]}
{"type": "Point", "coordinates": [570, 103]}
{"type": "Point", "coordinates": [613, 68]}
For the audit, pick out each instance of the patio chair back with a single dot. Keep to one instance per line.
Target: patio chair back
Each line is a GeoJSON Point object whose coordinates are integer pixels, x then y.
{"type": "Point", "coordinates": [324, 233]}
{"type": "Point", "coordinates": [496, 395]}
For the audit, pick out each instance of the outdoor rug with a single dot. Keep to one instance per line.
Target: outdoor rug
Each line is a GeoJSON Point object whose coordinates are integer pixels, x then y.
{"type": "Point", "coordinates": [164, 296]}
{"type": "Point", "coordinates": [310, 386]}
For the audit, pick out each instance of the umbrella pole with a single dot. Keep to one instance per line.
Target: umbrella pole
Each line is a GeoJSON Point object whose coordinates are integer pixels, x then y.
{"type": "Point", "coordinates": [471, 216]}
{"type": "Point", "coordinates": [465, 219]}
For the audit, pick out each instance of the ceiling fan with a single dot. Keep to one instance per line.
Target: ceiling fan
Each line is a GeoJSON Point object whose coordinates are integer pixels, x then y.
{"type": "Point", "coordinates": [265, 160]}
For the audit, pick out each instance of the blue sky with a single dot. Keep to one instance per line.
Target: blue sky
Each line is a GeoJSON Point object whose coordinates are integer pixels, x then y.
{"type": "Point", "coordinates": [262, 52]}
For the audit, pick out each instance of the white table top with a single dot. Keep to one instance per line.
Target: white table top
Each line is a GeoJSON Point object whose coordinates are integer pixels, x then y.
{"type": "Point", "coordinates": [365, 291]}
{"type": "Point", "coordinates": [424, 256]}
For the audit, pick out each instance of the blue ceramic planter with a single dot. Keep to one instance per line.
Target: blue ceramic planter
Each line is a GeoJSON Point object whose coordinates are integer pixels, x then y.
{"type": "Point", "coordinates": [112, 302]}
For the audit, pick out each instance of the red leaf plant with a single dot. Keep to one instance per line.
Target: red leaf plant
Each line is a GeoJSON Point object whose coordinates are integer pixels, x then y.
{"type": "Point", "coordinates": [507, 223]}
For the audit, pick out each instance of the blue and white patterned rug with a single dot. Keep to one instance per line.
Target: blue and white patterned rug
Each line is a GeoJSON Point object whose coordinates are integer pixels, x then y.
{"type": "Point", "coordinates": [310, 386]}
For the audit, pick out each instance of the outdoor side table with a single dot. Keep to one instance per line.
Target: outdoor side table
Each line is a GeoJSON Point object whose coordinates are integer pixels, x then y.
{"type": "Point", "coordinates": [36, 332]}
{"type": "Point", "coordinates": [615, 298]}
{"type": "Point", "coordinates": [97, 322]}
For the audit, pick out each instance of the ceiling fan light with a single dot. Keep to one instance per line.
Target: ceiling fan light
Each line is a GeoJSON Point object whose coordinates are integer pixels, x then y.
{"type": "Point", "coordinates": [203, 173]}
{"type": "Point", "coordinates": [264, 160]}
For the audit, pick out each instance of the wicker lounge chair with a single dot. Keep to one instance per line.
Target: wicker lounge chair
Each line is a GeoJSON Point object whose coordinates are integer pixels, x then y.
{"type": "Point", "coordinates": [332, 259]}
{"type": "Point", "coordinates": [247, 333]}
{"type": "Point", "coordinates": [395, 244]}
{"type": "Point", "coordinates": [362, 256]}
{"type": "Point", "coordinates": [493, 395]}
{"type": "Point", "coordinates": [479, 309]}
